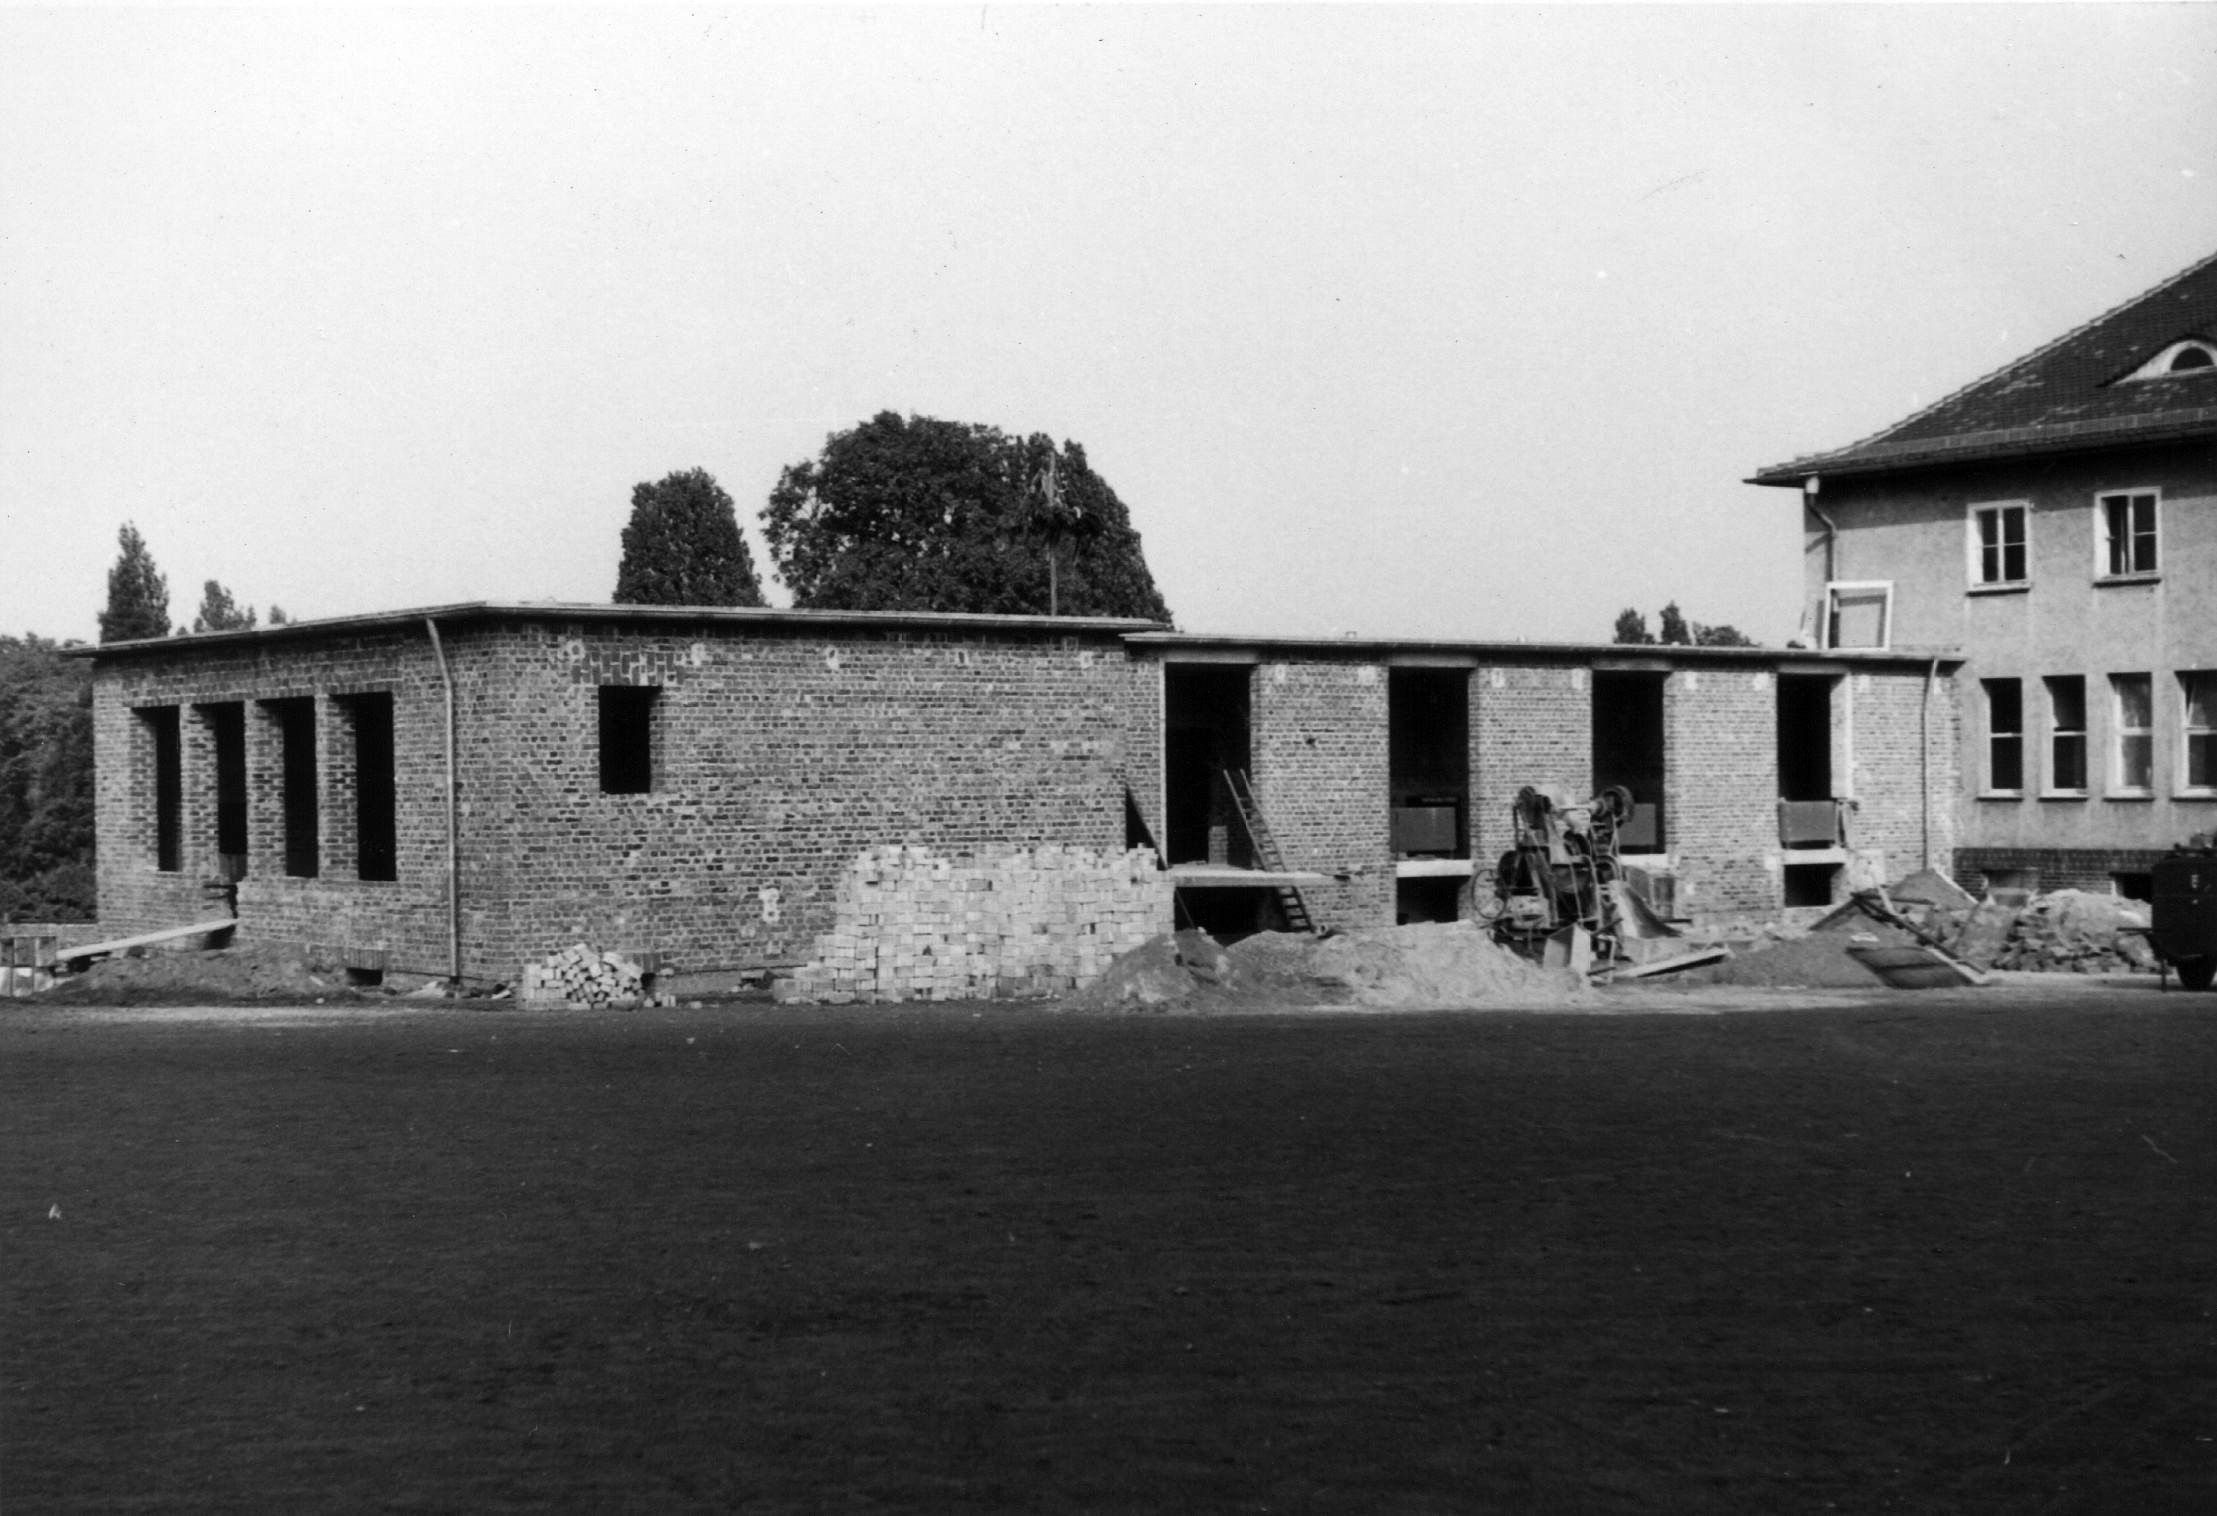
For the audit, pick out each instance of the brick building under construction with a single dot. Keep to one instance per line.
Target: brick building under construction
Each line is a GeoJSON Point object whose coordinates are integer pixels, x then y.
{"type": "Point", "coordinates": [462, 789]}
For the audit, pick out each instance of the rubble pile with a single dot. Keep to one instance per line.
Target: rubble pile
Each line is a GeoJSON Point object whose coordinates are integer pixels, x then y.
{"type": "Point", "coordinates": [2078, 932]}
{"type": "Point", "coordinates": [1435, 966]}
{"type": "Point", "coordinates": [269, 971]}
{"type": "Point", "coordinates": [913, 924]}
{"type": "Point", "coordinates": [583, 977]}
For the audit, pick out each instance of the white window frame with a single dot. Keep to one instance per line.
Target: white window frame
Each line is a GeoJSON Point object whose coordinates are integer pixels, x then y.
{"type": "Point", "coordinates": [1974, 547]}
{"type": "Point", "coordinates": [1987, 784]}
{"type": "Point", "coordinates": [2102, 573]}
{"type": "Point", "coordinates": [2056, 733]}
{"type": "Point", "coordinates": [2118, 732]}
{"type": "Point", "coordinates": [1860, 589]}
{"type": "Point", "coordinates": [2188, 732]}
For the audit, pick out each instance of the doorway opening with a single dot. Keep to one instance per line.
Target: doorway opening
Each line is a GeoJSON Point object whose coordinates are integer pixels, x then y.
{"type": "Point", "coordinates": [1206, 710]}
{"type": "Point", "coordinates": [1628, 751]}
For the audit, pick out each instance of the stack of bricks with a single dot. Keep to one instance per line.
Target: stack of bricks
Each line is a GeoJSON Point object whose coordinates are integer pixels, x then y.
{"type": "Point", "coordinates": [914, 924]}
{"type": "Point", "coordinates": [581, 977]}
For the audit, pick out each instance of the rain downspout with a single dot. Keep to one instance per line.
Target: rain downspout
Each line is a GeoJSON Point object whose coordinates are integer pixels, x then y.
{"type": "Point", "coordinates": [1809, 488]}
{"type": "Point", "coordinates": [1924, 760]}
{"type": "Point", "coordinates": [453, 872]}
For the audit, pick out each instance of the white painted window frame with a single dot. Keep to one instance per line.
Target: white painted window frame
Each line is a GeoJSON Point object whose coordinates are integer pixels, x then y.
{"type": "Point", "coordinates": [1988, 789]}
{"type": "Point", "coordinates": [2118, 732]}
{"type": "Point", "coordinates": [2102, 575]}
{"type": "Point", "coordinates": [2184, 785]}
{"type": "Point", "coordinates": [2055, 731]}
{"type": "Point", "coordinates": [1973, 549]}
{"type": "Point", "coordinates": [1858, 588]}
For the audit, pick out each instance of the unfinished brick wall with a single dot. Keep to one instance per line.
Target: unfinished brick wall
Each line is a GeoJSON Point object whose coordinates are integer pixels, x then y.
{"type": "Point", "coordinates": [1720, 782]}
{"type": "Point", "coordinates": [406, 916]}
{"type": "Point", "coordinates": [912, 923]}
{"type": "Point", "coordinates": [1143, 744]}
{"type": "Point", "coordinates": [1320, 770]}
{"type": "Point", "coordinates": [1530, 724]}
{"type": "Point", "coordinates": [1888, 777]}
{"type": "Point", "coordinates": [780, 752]}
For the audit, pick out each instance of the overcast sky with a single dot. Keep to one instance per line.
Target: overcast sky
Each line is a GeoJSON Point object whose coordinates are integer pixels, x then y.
{"type": "Point", "coordinates": [1437, 322]}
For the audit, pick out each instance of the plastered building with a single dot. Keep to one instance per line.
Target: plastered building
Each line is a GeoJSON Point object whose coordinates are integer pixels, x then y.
{"type": "Point", "coordinates": [2055, 522]}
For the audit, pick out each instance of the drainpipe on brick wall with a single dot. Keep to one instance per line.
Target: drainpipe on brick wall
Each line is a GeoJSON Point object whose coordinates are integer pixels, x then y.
{"type": "Point", "coordinates": [453, 872]}
{"type": "Point", "coordinates": [1924, 759]}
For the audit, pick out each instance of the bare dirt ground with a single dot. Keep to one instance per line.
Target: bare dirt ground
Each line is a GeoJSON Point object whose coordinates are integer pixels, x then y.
{"type": "Point", "coordinates": [1872, 1251]}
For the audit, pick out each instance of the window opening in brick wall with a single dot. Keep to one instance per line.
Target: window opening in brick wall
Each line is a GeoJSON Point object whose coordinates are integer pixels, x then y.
{"type": "Point", "coordinates": [1808, 812]}
{"type": "Point", "coordinates": [2005, 735]}
{"type": "Point", "coordinates": [1628, 751]}
{"type": "Point", "coordinates": [2198, 701]}
{"type": "Point", "coordinates": [627, 738]}
{"type": "Point", "coordinates": [169, 787]}
{"type": "Point", "coordinates": [296, 741]}
{"type": "Point", "coordinates": [1206, 718]}
{"type": "Point", "coordinates": [2128, 528]}
{"type": "Point", "coordinates": [1428, 763]}
{"type": "Point", "coordinates": [2132, 759]}
{"type": "Point", "coordinates": [227, 734]}
{"type": "Point", "coordinates": [1999, 549]}
{"type": "Point", "coordinates": [2066, 734]}
{"type": "Point", "coordinates": [1809, 883]}
{"type": "Point", "coordinates": [376, 830]}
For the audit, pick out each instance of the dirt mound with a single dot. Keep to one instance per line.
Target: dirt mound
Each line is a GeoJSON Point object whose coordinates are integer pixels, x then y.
{"type": "Point", "coordinates": [235, 973]}
{"type": "Point", "coordinates": [1446, 965]}
{"type": "Point", "coordinates": [2078, 932]}
{"type": "Point", "coordinates": [1817, 961]}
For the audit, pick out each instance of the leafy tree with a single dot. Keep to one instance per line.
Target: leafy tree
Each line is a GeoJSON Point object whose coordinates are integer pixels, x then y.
{"type": "Point", "coordinates": [219, 613]}
{"type": "Point", "coordinates": [46, 832]}
{"type": "Point", "coordinates": [683, 546]}
{"type": "Point", "coordinates": [277, 616]}
{"type": "Point", "coordinates": [1722, 636]}
{"type": "Point", "coordinates": [138, 595]}
{"type": "Point", "coordinates": [920, 514]}
{"type": "Point", "coordinates": [1632, 628]}
{"type": "Point", "coordinates": [1675, 632]}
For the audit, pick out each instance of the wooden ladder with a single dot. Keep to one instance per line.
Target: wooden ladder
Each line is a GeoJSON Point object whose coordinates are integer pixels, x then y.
{"type": "Point", "coordinates": [1266, 849]}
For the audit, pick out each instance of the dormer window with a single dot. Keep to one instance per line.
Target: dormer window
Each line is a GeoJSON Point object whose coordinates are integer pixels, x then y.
{"type": "Point", "coordinates": [2191, 356]}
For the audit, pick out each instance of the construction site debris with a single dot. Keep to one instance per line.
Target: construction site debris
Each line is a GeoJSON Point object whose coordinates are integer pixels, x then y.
{"type": "Point", "coordinates": [915, 924]}
{"type": "Point", "coordinates": [2078, 932]}
{"type": "Point", "coordinates": [1431, 966]}
{"type": "Point", "coordinates": [262, 972]}
{"type": "Point", "coordinates": [588, 979]}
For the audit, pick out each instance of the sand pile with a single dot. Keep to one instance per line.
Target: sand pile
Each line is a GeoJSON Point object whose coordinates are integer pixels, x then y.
{"type": "Point", "coordinates": [234, 973]}
{"type": "Point", "coordinates": [1409, 967]}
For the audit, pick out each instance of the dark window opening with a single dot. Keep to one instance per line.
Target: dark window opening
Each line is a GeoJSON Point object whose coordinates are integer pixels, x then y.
{"type": "Point", "coordinates": [376, 834]}
{"type": "Point", "coordinates": [169, 787]}
{"type": "Point", "coordinates": [1417, 901]}
{"type": "Point", "coordinates": [227, 731]}
{"type": "Point", "coordinates": [2134, 886]}
{"type": "Point", "coordinates": [1428, 762]}
{"type": "Point", "coordinates": [1809, 883]}
{"type": "Point", "coordinates": [627, 738]}
{"type": "Point", "coordinates": [1805, 736]}
{"type": "Point", "coordinates": [2005, 734]}
{"type": "Point", "coordinates": [1205, 720]}
{"type": "Point", "coordinates": [1628, 751]}
{"type": "Point", "coordinates": [2188, 360]}
{"type": "Point", "coordinates": [296, 739]}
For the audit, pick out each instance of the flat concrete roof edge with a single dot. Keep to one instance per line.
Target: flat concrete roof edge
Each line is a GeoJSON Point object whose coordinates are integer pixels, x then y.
{"type": "Point", "coordinates": [1581, 652]}
{"type": "Point", "coordinates": [546, 610]}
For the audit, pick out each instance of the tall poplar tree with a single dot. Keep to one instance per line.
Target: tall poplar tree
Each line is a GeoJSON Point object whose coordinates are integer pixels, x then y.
{"type": "Point", "coordinates": [138, 595]}
{"type": "Point", "coordinates": [683, 546]}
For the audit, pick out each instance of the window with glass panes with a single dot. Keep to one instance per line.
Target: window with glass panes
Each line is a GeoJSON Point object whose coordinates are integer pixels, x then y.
{"type": "Point", "coordinates": [2128, 532]}
{"type": "Point", "coordinates": [2005, 734]}
{"type": "Point", "coordinates": [1999, 532]}
{"type": "Point", "coordinates": [2200, 690]}
{"type": "Point", "coordinates": [2066, 733]}
{"type": "Point", "coordinates": [2133, 720]}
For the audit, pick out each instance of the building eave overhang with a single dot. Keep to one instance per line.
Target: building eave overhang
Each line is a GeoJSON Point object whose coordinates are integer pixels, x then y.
{"type": "Point", "coordinates": [2190, 425]}
{"type": "Point", "coordinates": [721, 617]}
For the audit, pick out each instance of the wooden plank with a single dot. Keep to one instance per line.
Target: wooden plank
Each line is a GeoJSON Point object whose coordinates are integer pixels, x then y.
{"type": "Point", "coordinates": [146, 939]}
{"type": "Point", "coordinates": [1690, 960]}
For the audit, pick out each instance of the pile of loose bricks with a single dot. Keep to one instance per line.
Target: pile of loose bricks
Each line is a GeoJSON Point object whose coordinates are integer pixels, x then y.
{"type": "Point", "coordinates": [914, 924]}
{"type": "Point", "coordinates": [585, 978]}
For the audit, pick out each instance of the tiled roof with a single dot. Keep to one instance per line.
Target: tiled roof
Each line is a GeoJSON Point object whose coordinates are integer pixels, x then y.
{"type": "Point", "coordinates": [2065, 395]}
